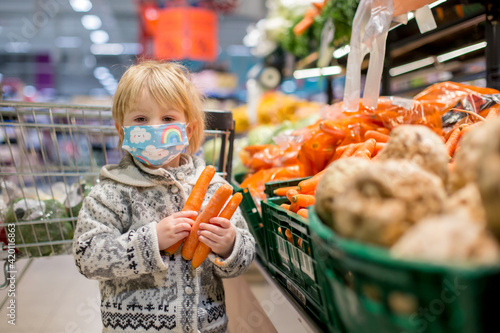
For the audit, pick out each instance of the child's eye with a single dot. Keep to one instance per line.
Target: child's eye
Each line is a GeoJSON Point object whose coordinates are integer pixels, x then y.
{"type": "Point", "coordinates": [140, 119]}
{"type": "Point", "coordinates": [168, 119]}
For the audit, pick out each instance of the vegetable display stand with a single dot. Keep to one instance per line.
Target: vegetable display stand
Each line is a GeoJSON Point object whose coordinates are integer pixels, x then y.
{"type": "Point", "coordinates": [369, 291]}
{"type": "Point", "coordinates": [253, 218]}
{"type": "Point", "coordinates": [290, 255]}
{"type": "Point", "coordinates": [51, 156]}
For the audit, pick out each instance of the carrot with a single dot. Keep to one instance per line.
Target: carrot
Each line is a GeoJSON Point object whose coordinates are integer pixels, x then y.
{"type": "Point", "coordinates": [492, 113]}
{"type": "Point", "coordinates": [368, 146]}
{"type": "Point", "coordinates": [286, 206]}
{"type": "Point", "coordinates": [452, 142]}
{"type": "Point", "coordinates": [281, 192]}
{"type": "Point", "coordinates": [301, 27]}
{"type": "Point", "coordinates": [304, 200]}
{"type": "Point", "coordinates": [202, 250]}
{"type": "Point", "coordinates": [309, 185]}
{"type": "Point", "coordinates": [299, 242]}
{"type": "Point", "coordinates": [294, 207]}
{"type": "Point", "coordinates": [350, 150]}
{"type": "Point", "coordinates": [379, 137]}
{"type": "Point", "coordinates": [304, 213]}
{"type": "Point", "coordinates": [211, 210]}
{"type": "Point", "coordinates": [195, 199]}
{"type": "Point", "coordinates": [383, 130]}
{"type": "Point", "coordinates": [378, 147]}
{"type": "Point", "coordinates": [289, 235]}
{"type": "Point", "coordinates": [290, 193]}
{"type": "Point", "coordinates": [364, 154]}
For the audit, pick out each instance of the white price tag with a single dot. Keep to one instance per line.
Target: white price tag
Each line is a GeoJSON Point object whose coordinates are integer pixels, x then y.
{"type": "Point", "coordinates": [425, 19]}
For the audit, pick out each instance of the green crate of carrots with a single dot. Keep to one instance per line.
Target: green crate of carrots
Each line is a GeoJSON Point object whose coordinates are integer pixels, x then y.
{"type": "Point", "coordinates": [252, 216]}
{"type": "Point", "coordinates": [290, 252]}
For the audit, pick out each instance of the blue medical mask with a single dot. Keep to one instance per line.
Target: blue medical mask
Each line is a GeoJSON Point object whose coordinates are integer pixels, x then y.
{"type": "Point", "coordinates": [155, 145]}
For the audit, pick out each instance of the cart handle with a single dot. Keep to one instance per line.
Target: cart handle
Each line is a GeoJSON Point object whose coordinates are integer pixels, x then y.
{"type": "Point", "coordinates": [5, 271]}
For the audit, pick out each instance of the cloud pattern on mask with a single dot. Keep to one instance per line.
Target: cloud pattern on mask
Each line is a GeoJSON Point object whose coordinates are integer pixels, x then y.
{"type": "Point", "coordinates": [139, 135]}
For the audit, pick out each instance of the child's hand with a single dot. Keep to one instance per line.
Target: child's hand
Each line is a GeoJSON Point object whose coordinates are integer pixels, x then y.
{"type": "Point", "coordinates": [173, 228]}
{"type": "Point", "coordinates": [219, 235]}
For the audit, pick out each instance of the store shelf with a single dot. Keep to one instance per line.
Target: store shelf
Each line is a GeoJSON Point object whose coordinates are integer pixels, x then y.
{"type": "Point", "coordinates": [302, 316]}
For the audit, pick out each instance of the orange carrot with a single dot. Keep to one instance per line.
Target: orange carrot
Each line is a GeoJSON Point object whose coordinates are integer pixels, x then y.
{"type": "Point", "coordinates": [364, 154]}
{"type": "Point", "coordinates": [379, 137]}
{"type": "Point", "coordinates": [195, 199]}
{"type": "Point", "coordinates": [309, 185]}
{"type": "Point", "coordinates": [286, 206]}
{"type": "Point", "coordinates": [211, 210]}
{"type": "Point", "coordinates": [304, 200]}
{"type": "Point", "coordinates": [281, 192]}
{"type": "Point", "coordinates": [304, 24]}
{"type": "Point", "coordinates": [378, 147]}
{"type": "Point", "coordinates": [492, 113]}
{"type": "Point", "coordinates": [202, 250]}
{"type": "Point", "coordinates": [368, 146]}
{"type": "Point", "coordinates": [383, 130]}
{"type": "Point", "coordinates": [304, 213]}
{"type": "Point", "coordinates": [452, 142]}
{"type": "Point", "coordinates": [290, 193]}
{"type": "Point", "coordinates": [294, 207]}
{"type": "Point", "coordinates": [350, 150]}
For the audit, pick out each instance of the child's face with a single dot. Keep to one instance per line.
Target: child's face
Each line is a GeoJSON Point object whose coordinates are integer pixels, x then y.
{"type": "Point", "coordinates": [148, 112]}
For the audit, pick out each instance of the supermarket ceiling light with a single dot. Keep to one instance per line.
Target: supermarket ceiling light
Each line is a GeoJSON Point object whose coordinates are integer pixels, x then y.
{"type": "Point", "coordinates": [116, 48]}
{"type": "Point", "coordinates": [440, 58]}
{"type": "Point", "coordinates": [340, 52]}
{"type": "Point", "coordinates": [80, 5]}
{"type": "Point", "coordinates": [91, 22]}
{"type": "Point", "coordinates": [411, 66]}
{"type": "Point", "coordinates": [315, 72]}
{"type": "Point", "coordinates": [99, 37]}
{"type": "Point", "coordinates": [436, 3]}
{"type": "Point", "coordinates": [460, 52]}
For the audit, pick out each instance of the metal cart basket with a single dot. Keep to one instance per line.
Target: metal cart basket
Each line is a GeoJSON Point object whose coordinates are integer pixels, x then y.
{"type": "Point", "coordinates": [51, 156]}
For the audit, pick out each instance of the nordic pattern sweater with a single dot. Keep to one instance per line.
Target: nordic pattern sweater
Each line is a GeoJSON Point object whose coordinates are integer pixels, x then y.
{"type": "Point", "coordinates": [115, 242]}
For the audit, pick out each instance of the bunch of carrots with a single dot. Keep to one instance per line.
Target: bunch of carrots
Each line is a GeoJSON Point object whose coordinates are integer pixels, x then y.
{"type": "Point", "coordinates": [193, 249]}
{"type": "Point", "coordinates": [303, 195]}
{"type": "Point", "coordinates": [453, 137]}
{"type": "Point", "coordinates": [363, 134]}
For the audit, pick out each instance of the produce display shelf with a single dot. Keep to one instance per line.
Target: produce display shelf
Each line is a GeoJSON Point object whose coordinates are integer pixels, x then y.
{"type": "Point", "coordinates": [308, 321]}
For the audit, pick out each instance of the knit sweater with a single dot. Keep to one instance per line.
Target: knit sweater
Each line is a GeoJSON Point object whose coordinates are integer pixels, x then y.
{"type": "Point", "coordinates": [143, 289]}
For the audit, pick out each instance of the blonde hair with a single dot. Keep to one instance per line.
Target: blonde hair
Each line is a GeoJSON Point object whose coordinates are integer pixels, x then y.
{"type": "Point", "coordinates": [169, 84]}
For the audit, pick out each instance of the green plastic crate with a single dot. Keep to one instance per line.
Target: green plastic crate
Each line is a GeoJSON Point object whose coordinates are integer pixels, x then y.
{"type": "Point", "coordinates": [271, 186]}
{"type": "Point", "coordinates": [369, 291]}
{"type": "Point", "coordinates": [292, 257]}
{"type": "Point", "coordinates": [253, 218]}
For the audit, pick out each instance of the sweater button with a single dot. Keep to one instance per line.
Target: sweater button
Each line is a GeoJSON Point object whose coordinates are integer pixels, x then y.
{"type": "Point", "coordinates": [188, 290]}
{"type": "Point", "coordinates": [174, 189]}
{"type": "Point", "coordinates": [180, 176]}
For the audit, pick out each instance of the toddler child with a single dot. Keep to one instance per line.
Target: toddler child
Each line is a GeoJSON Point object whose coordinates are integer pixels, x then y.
{"type": "Point", "coordinates": [135, 212]}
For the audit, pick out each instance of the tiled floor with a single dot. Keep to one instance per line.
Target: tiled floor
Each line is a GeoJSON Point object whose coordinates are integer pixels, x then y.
{"type": "Point", "coordinates": [52, 297]}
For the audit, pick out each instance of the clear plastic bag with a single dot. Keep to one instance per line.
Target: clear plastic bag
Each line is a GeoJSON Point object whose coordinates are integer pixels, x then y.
{"type": "Point", "coordinates": [369, 34]}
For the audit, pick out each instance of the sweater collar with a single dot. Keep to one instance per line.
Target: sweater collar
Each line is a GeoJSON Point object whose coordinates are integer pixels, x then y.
{"type": "Point", "coordinates": [132, 172]}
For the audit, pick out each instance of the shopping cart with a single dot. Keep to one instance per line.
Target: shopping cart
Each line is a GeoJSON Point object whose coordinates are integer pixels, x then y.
{"type": "Point", "coordinates": [51, 156]}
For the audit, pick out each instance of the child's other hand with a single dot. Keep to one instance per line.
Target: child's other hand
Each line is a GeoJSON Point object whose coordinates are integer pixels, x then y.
{"type": "Point", "coordinates": [219, 235]}
{"type": "Point", "coordinates": [173, 228]}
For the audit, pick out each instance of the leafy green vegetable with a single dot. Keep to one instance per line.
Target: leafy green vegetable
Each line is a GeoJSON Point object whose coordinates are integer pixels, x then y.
{"type": "Point", "coordinates": [340, 11]}
{"type": "Point", "coordinates": [24, 210]}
